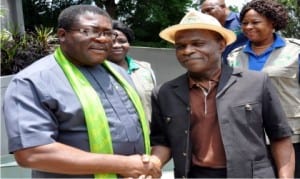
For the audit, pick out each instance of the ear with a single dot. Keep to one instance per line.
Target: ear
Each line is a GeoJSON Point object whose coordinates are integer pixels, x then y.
{"type": "Point", "coordinates": [61, 34]}
{"type": "Point", "coordinates": [222, 45]}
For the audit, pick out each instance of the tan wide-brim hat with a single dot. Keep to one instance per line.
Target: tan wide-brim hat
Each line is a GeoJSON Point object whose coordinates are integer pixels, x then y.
{"type": "Point", "coordinates": [197, 20]}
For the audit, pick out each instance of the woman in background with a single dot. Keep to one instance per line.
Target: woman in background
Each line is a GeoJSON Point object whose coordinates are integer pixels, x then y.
{"type": "Point", "coordinates": [140, 71]}
{"type": "Point", "coordinates": [279, 57]}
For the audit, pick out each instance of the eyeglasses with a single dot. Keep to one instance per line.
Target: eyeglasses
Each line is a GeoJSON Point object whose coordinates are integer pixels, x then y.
{"type": "Point", "coordinates": [93, 33]}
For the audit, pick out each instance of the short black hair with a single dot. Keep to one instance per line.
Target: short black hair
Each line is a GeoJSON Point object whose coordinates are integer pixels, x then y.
{"type": "Point", "coordinates": [69, 16]}
{"type": "Point", "coordinates": [271, 9]}
{"type": "Point", "coordinates": [117, 25]}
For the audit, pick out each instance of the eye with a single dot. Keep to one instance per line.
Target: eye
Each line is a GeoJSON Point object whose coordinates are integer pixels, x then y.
{"type": "Point", "coordinates": [179, 46]}
{"type": "Point", "coordinates": [121, 41]}
{"type": "Point", "coordinates": [198, 44]}
{"type": "Point", "coordinates": [207, 10]}
{"type": "Point", "coordinates": [107, 33]}
{"type": "Point", "coordinates": [255, 22]}
{"type": "Point", "coordinates": [251, 23]}
{"type": "Point", "coordinates": [244, 23]}
{"type": "Point", "coordinates": [86, 32]}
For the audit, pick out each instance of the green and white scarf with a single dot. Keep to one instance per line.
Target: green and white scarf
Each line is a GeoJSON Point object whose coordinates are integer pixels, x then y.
{"type": "Point", "coordinates": [95, 117]}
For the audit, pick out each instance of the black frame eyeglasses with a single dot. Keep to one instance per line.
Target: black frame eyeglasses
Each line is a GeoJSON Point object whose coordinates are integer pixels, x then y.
{"type": "Point", "coordinates": [93, 33]}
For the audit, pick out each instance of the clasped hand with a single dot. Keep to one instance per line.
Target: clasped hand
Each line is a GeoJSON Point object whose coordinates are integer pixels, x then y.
{"type": "Point", "coordinates": [142, 166]}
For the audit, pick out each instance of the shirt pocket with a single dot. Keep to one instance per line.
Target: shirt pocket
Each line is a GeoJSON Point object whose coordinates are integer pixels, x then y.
{"type": "Point", "coordinates": [248, 114]}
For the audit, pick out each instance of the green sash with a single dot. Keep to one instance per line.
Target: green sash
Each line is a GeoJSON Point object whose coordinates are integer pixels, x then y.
{"type": "Point", "coordinates": [95, 118]}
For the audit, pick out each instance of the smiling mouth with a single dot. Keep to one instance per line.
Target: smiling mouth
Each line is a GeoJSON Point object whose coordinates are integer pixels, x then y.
{"type": "Point", "coordinates": [117, 51]}
{"type": "Point", "coordinates": [194, 59]}
{"type": "Point", "coordinates": [250, 33]}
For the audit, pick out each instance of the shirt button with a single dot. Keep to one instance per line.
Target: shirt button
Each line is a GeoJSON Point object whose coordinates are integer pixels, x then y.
{"type": "Point", "coordinates": [248, 107]}
{"type": "Point", "coordinates": [168, 119]}
{"type": "Point", "coordinates": [184, 154]}
{"type": "Point", "coordinates": [186, 131]}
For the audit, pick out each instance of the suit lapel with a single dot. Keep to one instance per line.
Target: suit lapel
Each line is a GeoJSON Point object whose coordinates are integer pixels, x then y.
{"type": "Point", "coordinates": [228, 78]}
{"type": "Point", "coordinates": [181, 88]}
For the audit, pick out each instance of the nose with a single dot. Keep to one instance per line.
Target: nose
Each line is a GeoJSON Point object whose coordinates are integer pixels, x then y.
{"type": "Point", "coordinates": [247, 26]}
{"type": "Point", "coordinates": [189, 49]}
{"type": "Point", "coordinates": [116, 44]}
{"type": "Point", "coordinates": [102, 39]}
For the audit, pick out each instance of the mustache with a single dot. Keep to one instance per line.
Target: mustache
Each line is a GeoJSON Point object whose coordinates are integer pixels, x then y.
{"type": "Point", "coordinates": [99, 46]}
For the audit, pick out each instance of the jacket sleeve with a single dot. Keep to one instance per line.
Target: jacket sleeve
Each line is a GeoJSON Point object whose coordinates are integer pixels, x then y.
{"type": "Point", "coordinates": [157, 135]}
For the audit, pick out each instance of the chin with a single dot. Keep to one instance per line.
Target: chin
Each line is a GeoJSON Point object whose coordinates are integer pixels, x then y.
{"type": "Point", "coordinates": [96, 62]}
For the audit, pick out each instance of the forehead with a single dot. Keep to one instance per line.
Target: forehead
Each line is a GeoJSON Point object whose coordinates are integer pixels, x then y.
{"type": "Point", "coordinates": [95, 20]}
{"type": "Point", "coordinates": [252, 14]}
{"type": "Point", "coordinates": [120, 33]}
{"type": "Point", "coordinates": [194, 34]}
{"type": "Point", "coordinates": [209, 3]}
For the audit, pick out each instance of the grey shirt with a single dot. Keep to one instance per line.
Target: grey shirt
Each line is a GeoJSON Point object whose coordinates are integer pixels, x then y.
{"type": "Point", "coordinates": [40, 108]}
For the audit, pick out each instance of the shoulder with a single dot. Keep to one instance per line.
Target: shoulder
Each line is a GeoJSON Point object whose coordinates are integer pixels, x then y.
{"type": "Point", "coordinates": [42, 75]}
{"type": "Point", "coordinates": [43, 65]}
{"type": "Point", "coordinates": [236, 15]}
{"type": "Point", "coordinates": [174, 83]}
{"type": "Point", "coordinates": [235, 52]}
{"type": "Point", "coordinates": [143, 64]}
{"type": "Point", "coordinates": [120, 70]}
{"type": "Point", "coordinates": [293, 41]}
{"type": "Point", "coordinates": [233, 15]}
{"type": "Point", "coordinates": [238, 49]}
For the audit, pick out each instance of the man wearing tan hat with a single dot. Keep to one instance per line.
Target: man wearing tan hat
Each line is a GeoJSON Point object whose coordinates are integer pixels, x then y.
{"type": "Point", "coordinates": [211, 120]}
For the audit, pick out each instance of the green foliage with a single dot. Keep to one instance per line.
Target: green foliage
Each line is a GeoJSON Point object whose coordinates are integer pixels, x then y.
{"type": "Point", "coordinates": [234, 8]}
{"type": "Point", "coordinates": [45, 12]}
{"type": "Point", "coordinates": [146, 17]}
{"type": "Point", "coordinates": [20, 50]}
{"type": "Point", "coordinates": [150, 17]}
{"type": "Point", "coordinates": [293, 28]}
{"type": "Point", "coordinates": [44, 35]}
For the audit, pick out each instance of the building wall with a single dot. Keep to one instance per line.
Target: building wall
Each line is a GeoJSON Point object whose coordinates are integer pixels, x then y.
{"type": "Point", "coordinates": [163, 61]}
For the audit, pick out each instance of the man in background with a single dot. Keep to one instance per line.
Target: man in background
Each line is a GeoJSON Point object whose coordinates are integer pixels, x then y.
{"type": "Point", "coordinates": [228, 19]}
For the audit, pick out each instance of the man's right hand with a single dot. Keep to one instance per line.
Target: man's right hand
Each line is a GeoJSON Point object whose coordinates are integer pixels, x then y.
{"type": "Point", "coordinates": [141, 166]}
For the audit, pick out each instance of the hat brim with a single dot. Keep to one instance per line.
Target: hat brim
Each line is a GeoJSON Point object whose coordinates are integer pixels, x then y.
{"type": "Point", "coordinates": [168, 34]}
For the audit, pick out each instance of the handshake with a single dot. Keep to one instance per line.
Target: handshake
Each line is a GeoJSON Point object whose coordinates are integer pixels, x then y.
{"type": "Point", "coordinates": [142, 166]}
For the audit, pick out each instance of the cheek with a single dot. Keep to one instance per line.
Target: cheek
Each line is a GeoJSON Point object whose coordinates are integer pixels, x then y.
{"type": "Point", "coordinates": [178, 56]}
{"type": "Point", "coordinates": [126, 49]}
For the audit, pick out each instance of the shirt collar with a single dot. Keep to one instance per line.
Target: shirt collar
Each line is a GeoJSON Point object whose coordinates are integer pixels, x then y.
{"type": "Point", "coordinates": [132, 65]}
{"type": "Point", "coordinates": [278, 42]}
{"type": "Point", "coordinates": [215, 79]}
{"type": "Point", "coordinates": [231, 16]}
